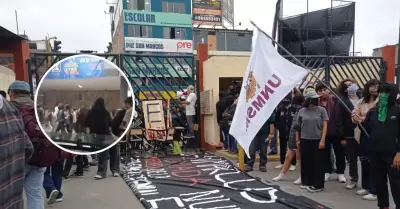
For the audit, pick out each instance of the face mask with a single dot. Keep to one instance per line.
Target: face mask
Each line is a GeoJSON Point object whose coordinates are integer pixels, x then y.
{"type": "Point", "coordinates": [314, 101]}
{"type": "Point", "coordinates": [352, 88]}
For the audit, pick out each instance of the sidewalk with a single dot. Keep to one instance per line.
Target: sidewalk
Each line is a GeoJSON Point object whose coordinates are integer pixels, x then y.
{"type": "Point", "coordinates": [335, 195]}
{"type": "Point", "coordinates": [88, 193]}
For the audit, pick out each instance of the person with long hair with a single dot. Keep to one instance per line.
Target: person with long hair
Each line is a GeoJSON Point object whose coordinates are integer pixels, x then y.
{"type": "Point", "coordinates": [382, 125]}
{"type": "Point", "coordinates": [293, 152]}
{"type": "Point", "coordinates": [347, 91]}
{"type": "Point", "coordinates": [99, 122]}
{"type": "Point", "coordinates": [368, 101]}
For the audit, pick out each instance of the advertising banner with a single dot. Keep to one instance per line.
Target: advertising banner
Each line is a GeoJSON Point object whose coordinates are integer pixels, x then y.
{"type": "Point", "coordinates": [207, 12]}
{"type": "Point", "coordinates": [77, 68]}
{"type": "Point", "coordinates": [160, 95]}
{"type": "Point", "coordinates": [158, 45]}
{"type": "Point", "coordinates": [228, 12]}
{"type": "Point", "coordinates": [204, 181]}
{"type": "Point", "coordinates": [159, 70]}
{"type": "Point", "coordinates": [176, 20]}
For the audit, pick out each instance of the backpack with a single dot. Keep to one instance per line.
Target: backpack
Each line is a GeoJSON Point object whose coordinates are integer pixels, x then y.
{"type": "Point", "coordinates": [45, 152]}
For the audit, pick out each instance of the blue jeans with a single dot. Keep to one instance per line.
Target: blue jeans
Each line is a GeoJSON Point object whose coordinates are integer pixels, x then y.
{"type": "Point", "coordinates": [366, 176]}
{"type": "Point", "coordinates": [53, 178]}
{"type": "Point", "coordinates": [232, 144]}
{"type": "Point", "coordinates": [33, 186]}
{"type": "Point", "coordinates": [272, 145]}
{"type": "Point", "coordinates": [225, 138]}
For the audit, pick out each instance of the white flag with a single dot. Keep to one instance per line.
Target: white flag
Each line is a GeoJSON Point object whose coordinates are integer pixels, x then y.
{"type": "Point", "coordinates": [268, 79]}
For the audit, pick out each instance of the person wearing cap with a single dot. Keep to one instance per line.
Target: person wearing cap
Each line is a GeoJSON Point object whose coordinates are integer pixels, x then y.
{"type": "Point", "coordinates": [19, 92]}
{"type": "Point", "coordinates": [311, 128]}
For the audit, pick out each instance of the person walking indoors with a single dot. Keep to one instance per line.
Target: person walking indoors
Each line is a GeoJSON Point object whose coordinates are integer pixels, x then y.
{"type": "Point", "coordinates": [368, 101]}
{"type": "Point", "coordinates": [311, 129]}
{"type": "Point", "coordinates": [45, 153]}
{"type": "Point", "coordinates": [345, 127]}
{"type": "Point", "coordinates": [382, 125]}
{"type": "Point", "coordinates": [99, 122]}
{"type": "Point", "coordinates": [283, 122]}
{"type": "Point", "coordinates": [260, 143]}
{"type": "Point", "coordinates": [293, 152]}
{"type": "Point", "coordinates": [15, 147]}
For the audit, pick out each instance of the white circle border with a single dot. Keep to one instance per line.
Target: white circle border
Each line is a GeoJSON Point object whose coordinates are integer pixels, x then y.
{"type": "Point", "coordinates": [113, 65]}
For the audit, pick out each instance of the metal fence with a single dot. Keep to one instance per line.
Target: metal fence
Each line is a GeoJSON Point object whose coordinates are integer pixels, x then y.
{"type": "Point", "coordinates": [333, 69]}
{"type": "Point", "coordinates": [151, 76]}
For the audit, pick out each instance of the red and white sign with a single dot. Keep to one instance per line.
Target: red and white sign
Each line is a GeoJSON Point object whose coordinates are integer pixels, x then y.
{"type": "Point", "coordinates": [158, 45]}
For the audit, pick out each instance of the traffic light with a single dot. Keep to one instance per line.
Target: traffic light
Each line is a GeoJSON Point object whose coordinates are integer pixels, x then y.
{"type": "Point", "coordinates": [57, 46]}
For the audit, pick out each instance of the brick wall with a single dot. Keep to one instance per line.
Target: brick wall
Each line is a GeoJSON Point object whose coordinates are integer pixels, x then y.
{"type": "Point", "coordinates": [83, 98]}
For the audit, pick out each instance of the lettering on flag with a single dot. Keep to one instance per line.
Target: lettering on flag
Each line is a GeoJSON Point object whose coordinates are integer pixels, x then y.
{"type": "Point", "coordinates": [268, 79]}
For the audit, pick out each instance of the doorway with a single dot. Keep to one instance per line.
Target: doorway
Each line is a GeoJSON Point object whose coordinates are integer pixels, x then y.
{"type": "Point", "coordinates": [224, 83]}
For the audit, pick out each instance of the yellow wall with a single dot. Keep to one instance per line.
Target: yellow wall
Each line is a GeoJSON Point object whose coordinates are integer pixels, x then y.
{"type": "Point", "coordinates": [214, 68]}
{"type": "Point", "coordinates": [7, 76]}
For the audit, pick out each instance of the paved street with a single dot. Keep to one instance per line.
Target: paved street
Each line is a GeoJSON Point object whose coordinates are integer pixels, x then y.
{"type": "Point", "coordinates": [87, 193]}
{"type": "Point", "coordinates": [334, 196]}
{"type": "Point", "coordinates": [114, 193]}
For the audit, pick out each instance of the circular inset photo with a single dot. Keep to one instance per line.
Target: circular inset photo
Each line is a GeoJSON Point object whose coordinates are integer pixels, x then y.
{"type": "Point", "coordinates": [85, 104]}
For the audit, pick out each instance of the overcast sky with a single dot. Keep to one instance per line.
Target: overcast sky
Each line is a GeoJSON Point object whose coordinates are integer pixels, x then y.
{"type": "Point", "coordinates": [82, 24]}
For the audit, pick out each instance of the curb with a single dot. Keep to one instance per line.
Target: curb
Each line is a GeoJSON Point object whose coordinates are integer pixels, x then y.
{"type": "Point", "coordinates": [227, 155]}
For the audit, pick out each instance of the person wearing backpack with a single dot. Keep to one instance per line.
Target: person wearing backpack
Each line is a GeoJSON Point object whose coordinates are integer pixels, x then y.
{"type": "Point", "coordinates": [45, 152]}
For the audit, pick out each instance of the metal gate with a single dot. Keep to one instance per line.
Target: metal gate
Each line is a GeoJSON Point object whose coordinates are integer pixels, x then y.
{"type": "Point", "coordinates": [333, 69]}
{"type": "Point", "coordinates": [151, 76]}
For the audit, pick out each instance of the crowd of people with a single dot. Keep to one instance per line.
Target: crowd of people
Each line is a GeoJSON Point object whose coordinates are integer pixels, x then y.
{"type": "Point", "coordinates": [31, 162]}
{"type": "Point", "coordinates": [321, 132]}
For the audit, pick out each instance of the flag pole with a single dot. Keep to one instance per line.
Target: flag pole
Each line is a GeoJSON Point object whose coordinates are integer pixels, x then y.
{"type": "Point", "coordinates": [310, 72]}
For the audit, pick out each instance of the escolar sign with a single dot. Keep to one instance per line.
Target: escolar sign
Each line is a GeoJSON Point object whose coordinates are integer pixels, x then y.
{"type": "Point", "coordinates": [136, 17]}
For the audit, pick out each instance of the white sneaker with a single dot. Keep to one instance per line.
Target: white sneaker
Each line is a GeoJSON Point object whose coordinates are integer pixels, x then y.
{"type": "Point", "coordinates": [98, 176]}
{"type": "Point", "coordinates": [279, 166]}
{"type": "Point", "coordinates": [362, 192]}
{"type": "Point", "coordinates": [351, 185]}
{"type": "Point", "coordinates": [341, 178]}
{"type": "Point", "coordinates": [304, 186]}
{"type": "Point", "coordinates": [292, 168]}
{"type": "Point", "coordinates": [52, 197]}
{"type": "Point", "coordinates": [280, 177]}
{"type": "Point", "coordinates": [59, 199]}
{"type": "Point", "coordinates": [370, 197]}
{"type": "Point", "coordinates": [327, 176]}
{"type": "Point", "coordinates": [298, 181]}
{"type": "Point", "coordinates": [116, 174]}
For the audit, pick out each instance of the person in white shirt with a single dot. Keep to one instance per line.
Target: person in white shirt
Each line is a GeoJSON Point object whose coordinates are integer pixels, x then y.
{"type": "Point", "coordinates": [190, 103]}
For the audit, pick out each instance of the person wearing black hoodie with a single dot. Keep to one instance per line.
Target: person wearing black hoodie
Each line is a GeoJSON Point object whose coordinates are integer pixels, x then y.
{"type": "Point", "coordinates": [382, 124]}
{"type": "Point", "coordinates": [223, 120]}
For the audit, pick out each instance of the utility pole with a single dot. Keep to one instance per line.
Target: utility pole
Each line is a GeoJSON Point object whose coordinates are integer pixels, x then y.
{"type": "Point", "coordinates": [398, 62]}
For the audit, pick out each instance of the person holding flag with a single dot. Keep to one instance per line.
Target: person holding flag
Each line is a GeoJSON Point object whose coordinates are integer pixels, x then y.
{"type": "Point", "coordinates": [268, 79]}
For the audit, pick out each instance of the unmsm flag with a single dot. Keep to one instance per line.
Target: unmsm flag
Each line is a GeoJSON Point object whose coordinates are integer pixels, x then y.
{"type": "Point", "coordinates": [268, 79]}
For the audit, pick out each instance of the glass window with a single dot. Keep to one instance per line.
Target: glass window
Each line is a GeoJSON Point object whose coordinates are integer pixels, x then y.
{"type": "Point", "coordinates": [133, 30]}
{"type": "Point", "coordinates": [174, 7]}
{"type": "Point", "coordinates": [166, 32]}
{"type": "Point", "coordinates": [146, 31]}
{"type": "Point", "coordinates": [147, 5]}
{"type": "Point", "coordinates": [132, 4]}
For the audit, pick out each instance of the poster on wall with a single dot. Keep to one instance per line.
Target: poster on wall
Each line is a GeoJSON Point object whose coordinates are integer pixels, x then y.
{"type": "Point", "coordinates": [204, 181]}
{"type": "Point", "coordinates": [207, 12]}
{"type": "Point", "coordinates": [77, 68]}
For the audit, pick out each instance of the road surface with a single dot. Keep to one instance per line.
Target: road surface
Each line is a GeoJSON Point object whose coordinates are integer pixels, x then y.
{"type": "Point", "coordinates": [113, 193]}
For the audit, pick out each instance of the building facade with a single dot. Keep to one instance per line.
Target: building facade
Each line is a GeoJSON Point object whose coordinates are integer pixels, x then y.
{"type": "Point", "coordinates": [154, 27]}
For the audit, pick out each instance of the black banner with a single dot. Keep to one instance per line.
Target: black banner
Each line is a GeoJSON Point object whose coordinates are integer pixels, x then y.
{"type": "Point", "coordinates": [204, 181]}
